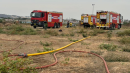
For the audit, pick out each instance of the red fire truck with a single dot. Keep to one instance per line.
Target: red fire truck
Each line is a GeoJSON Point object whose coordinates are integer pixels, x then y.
{"type": "Point", "coordinates": [111, 20]}
{"type": "Point", "coordinates": [86, 19]}
{"type": "Point", "coordinates": [46, 19]}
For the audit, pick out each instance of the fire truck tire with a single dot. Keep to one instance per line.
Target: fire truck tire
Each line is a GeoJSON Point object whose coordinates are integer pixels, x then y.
{"type": "Point", "coordinates": [43, 25]}
{"type": "Point", "coordinates": [34, 26]}
{"type": "Point", "coordinates": [55, 25]}
{"type": "Point", "coordinates": [85, 25]}
{"type": "Point", "coordinates": [104, 28]}
{"type": "Point", "coordinates": [94, 26]}
{"type": "Point", "coordinates": [58, 25]}
{"type": "Point", "coordinates": [119, 26]}
{"type": "Point", "coordinates": [113, 26]}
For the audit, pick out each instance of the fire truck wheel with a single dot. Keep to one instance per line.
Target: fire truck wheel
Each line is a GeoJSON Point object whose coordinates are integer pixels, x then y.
{"type": "Point", "coordinates": [119, 26]}
{"type": "Point", "coordinates": [34, 26]}
{"type": "Point", "coordinates": [104, 28]}
{"type": "Point", "coordinates": [58, 25]}
{"type": "Point", "coordinates": [114, 27]}
{"type": "Point", "coordinates": [55, 25]}
{"type": "Point", "coordinates": [85, 26]}
{"type": "Point", "coordinates": [111, 27]}
{"type": "Point", "coordinates": [43, 26]}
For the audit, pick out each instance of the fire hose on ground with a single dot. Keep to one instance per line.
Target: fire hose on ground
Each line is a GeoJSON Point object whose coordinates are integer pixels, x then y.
{"type": "Point", "coordinates": [26, 55]}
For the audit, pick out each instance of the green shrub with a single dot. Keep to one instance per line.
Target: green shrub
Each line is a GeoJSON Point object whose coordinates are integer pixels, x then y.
{"type": "Point", "coordinates": [108, 47]}
{"type": "Point", "coordinates": [45, 44]}
{"type": "Point", "coordinates": [126, 32]}
{"type": "Point", "coordinates": [93, 33]}
{"type": "Point", "coordinates": [81, 31]}
{"type": "Point", "coordinates": [116, 58]}
{"type": "Point", "coordinates": [29, 31]}
{"type": "Point", "coordinates": [19, 30]}
{"type": "Point", "coordinates": [66, 61]}
{"type": "Point", "coordinates": [84, 35]}
{"type": "Point", "coordinates": [46, 36]}
{"type": "Point", "coordinates": [1, 30]}
{"type": "Point", "coordinates": [126, 49]}
{"type": "Point", "coordinates": [109, 35]}
{"type": "Point", "coordinates": [72, 34]}
{"type": "Point", "coordinates": [12, 27]}
{"type": "Point", "coordinates": [125, 40]}
{"type": "Point", "coordinates": [83, 43]}
{"type": "Point", "coordinates": [72, 40]}
{"type": "Point", "coordinates": [96, 31]}
{"type": "Point", "coordinates": [0, 20]}
{"type": "Point", "coordinates": [13, 66]}
{"type": "Point", "coordinates": [100, 31]}
{"type": "Point", "coordinates": [45, 49]}
{"type": "Point", "coordinates": [62, 34]}
{"type": "Point", "coordinates": [52, 33]}
{"type": "Point", "coordinates": [97, 52]}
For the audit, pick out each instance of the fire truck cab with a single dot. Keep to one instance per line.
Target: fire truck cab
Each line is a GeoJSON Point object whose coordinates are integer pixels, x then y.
{"type": "Point", "coordinates": [46, 19]}
{"type": "Point", "coordinates": [111, 20]}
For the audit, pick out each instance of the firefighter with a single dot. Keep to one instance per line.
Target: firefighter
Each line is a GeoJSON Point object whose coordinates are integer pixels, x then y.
{"type": "Point", "coordinates": [70, 24]}
{"type": "Point", "coordinates": [91, 24]}
{"type": "Point", "coordinates": [67, 24]}
{"type": "Point", "coordinates": [45, 26]}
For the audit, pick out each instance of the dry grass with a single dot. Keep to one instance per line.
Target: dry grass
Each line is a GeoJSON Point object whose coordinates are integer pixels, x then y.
{"type": "Point", "coordinates": [113, 57]}
{"type": "Point", "coordinates": [109, 47]}
{"type": "Point", "coordinates": [78, 62]}
{"type": "Point", "coordinates": [124, 33]}
{"type": "Point", "coordinates": [125, 40]}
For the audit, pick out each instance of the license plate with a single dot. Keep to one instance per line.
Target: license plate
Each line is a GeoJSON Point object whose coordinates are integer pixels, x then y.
{"type": "Point", "coordinates": [35, 24]}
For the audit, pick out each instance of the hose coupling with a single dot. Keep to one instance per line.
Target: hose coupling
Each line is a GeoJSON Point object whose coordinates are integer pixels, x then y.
{"type": "Point", "coordinates": [23, 54]}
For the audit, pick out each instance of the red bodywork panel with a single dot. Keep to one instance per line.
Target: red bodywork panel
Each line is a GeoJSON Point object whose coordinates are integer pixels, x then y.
{"type": "Point", "coordinates": [94, 19]}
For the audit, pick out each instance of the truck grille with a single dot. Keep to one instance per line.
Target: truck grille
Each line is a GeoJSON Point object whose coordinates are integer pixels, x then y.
{"type": "Point", "coordinates": [35, 21]}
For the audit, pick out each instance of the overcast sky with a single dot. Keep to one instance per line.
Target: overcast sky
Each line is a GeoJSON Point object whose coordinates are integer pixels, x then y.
{"type": "Point", "coordinates": [70, 8]}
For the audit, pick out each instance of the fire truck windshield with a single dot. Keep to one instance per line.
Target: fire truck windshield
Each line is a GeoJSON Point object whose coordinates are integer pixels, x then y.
{"type": "Point", "coordinates": [36, 14]}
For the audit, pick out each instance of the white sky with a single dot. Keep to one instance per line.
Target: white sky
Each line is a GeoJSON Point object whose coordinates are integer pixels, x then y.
{"type": "Point", "coordinates": [70, 8]}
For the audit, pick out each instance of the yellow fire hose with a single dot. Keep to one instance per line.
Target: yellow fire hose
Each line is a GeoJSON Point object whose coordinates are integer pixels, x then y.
{"type": "Point", "coordinates": [57, 49]}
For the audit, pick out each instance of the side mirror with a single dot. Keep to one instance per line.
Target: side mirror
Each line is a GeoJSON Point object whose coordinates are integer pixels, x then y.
{"type": "Point", "coordinates": [31, 14]}
{"type": "Point", "coordinates": [42, 14]}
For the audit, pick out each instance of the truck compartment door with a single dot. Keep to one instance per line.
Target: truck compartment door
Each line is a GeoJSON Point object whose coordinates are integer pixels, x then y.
{"type": "Point", "coordinates": [92, 19]}
{"type": "Point", "coordinates": [60, 18]}
{"type": "Point", "coordinates": [118, 19]}
{"type": "Point", "coordinates": [49, 18]}
{"type": "Point", "coordinates": [107, 17]}
{"type": "Point", "coordinates": [111, 18]}
{"type": "Point", "coordinates": [95, 20]}
{"type": "Point", "coordinates": [85, 20]}
{"type": "Point", "coordinates": [121, 19]}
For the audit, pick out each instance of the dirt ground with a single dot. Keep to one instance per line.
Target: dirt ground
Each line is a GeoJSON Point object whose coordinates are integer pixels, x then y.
{"type": "Point", "coordinates": [78, 62]}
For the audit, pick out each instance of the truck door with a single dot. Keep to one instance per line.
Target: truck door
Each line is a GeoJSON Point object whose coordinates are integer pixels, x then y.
{"type": "Point", "coordinates": [49, 18]}
{"type": "Point", "coordinates": [43, 16]}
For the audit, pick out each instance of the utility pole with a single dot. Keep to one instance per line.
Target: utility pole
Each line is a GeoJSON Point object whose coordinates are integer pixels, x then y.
{"type": "Point", "coordinates": [93, 8]}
